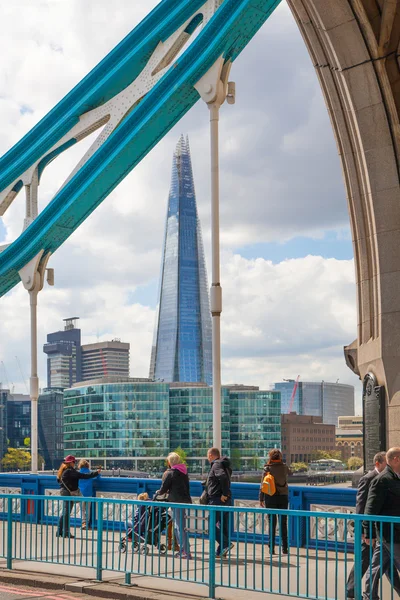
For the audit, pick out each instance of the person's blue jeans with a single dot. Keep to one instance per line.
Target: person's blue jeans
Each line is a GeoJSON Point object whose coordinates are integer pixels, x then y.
{"type": "Point", "coordinates": [63, 523]}
{"type": "Point", "coordinates": [179, 516]}
{"type": "Point", "coordinates": [221, 523]}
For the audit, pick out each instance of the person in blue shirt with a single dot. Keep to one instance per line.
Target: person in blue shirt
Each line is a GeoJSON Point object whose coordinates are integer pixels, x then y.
{"type": "Point", "coordinates": [86, 487]}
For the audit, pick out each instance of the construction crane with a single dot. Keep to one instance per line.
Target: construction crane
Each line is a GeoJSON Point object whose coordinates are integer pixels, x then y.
{"type": "Point", "coordinates": [296, 384]}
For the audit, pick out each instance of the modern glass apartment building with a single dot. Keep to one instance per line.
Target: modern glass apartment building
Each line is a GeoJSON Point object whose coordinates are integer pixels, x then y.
{"type": "Point", "coordinates": [191, 422]}
{"type": "Point", "coordinates": [255, 427]}
{"type": "Point", "coordinates": [124, 423]}
{"type": "Point", "coordinates": [51, 427]}
{"type": "Point", "coordinates": [286, 390]}
{"type": "Point", "coordinates": [181, 348]}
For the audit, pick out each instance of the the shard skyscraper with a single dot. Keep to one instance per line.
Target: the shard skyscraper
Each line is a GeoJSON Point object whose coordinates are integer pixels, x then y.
{"type": "Point", "coordinates": [182, 337]}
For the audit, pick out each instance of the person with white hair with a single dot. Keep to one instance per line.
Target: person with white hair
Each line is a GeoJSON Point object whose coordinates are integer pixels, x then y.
{"type": "Point", "coordinates": [175, 483]}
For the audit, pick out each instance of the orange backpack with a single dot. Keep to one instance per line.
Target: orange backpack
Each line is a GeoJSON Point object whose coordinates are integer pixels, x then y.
{"type": "Point", "coordinates": [268, 485]}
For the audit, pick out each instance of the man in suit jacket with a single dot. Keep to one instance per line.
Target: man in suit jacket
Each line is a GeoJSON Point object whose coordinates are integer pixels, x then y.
{"type": "Point", "coordinates": [384, 499]}
{"type": "Point", "coordinates": [361, 501]}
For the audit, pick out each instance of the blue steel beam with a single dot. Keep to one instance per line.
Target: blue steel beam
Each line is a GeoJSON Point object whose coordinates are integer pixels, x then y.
{"type": "Point", "coordinates": [227, 33]}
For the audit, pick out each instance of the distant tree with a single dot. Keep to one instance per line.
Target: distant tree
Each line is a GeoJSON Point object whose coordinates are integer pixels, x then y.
{"type": "Point", "coordinates": [27, 442]}
{"type": "Point", "coordinates": [236, 459]}
{"type": "Point", "coordinates": [354, 463]}
{"type": "Point", "coordinates": [182, 454]}
{"type": "Point", "coordinates": [16, 458]}
{"type": "Point", "coordinates": [297, 467]}
{"type": "Point", "coordinates": [326, 454]}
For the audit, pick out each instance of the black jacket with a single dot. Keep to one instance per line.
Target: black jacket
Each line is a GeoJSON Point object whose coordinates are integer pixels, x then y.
{"type": "Point", "coordinates": [384, 499]}
{"type": "Point", "coordinates": [219, 478]}
{"type": "Point", "coordinates": [363, 489]}
{"type": "Point", "coordinates": [280, 473]}
{"type": "Point", "coordinates": [71, 478]}
{"type": "Point", "coordinates": [176, 485]}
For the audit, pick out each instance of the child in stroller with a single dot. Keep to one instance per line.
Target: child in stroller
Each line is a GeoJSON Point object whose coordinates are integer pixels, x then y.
{"type": "Point", "coordinates": [148, 524]}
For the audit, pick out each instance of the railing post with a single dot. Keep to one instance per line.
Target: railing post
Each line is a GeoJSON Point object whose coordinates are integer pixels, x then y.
{"type": "Point", "coordinates": [99, 566]}
{"type": "Point", "coordinates": [211, 562]}
{"type": "Point", "coordinates": [9, 533]}
{"type": "Point", "coordinates": [357, 558]}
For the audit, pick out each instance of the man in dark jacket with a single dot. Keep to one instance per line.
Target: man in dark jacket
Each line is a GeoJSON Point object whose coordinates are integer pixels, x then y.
{"type": "Point", "coordinates": [218, 486]}
{"type": "Point", "coordinates": [384, 499]}
{"type": "Point", "coordinates": [361, 501]}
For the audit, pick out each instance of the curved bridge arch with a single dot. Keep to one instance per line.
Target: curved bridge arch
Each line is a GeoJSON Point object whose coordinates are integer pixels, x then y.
{"type": "Point", "coordinates": [354, 46]}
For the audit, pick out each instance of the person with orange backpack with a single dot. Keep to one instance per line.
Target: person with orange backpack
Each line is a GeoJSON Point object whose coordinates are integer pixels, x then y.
{"type": "Point", "coordinates": [274, 493]}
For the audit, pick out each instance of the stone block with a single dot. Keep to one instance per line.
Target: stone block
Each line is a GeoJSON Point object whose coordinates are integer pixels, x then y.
{"type": "Point", "coordinates": [390, 292]}
{"type": "Point", "coordinates": [382, 169]}
{"type": "Point", "coordinates": [390, 337]}
{"type": "Point", "coordinates": [331, 14]}
{"type": "Point", "coordinates": [346, 46]}
{"type": "Point", "coordinates": [388, 244]}
{"type": "Point", "coordinates": [371, 127]}
{"type": "Point", "coordinates": [386, 206]}
{"type": "Point", "coordinates": [362, 86]}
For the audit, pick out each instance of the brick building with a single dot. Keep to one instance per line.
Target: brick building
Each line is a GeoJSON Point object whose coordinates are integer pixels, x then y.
{"type": "Point", "coordinates": [303, 435]}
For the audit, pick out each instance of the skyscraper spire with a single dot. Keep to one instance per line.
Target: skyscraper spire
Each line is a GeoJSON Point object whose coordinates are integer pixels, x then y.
{"type": "Point", "coordinates": [182, 337]}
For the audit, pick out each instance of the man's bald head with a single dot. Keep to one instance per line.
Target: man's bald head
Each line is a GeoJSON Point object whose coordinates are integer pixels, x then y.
{"type": "Point", "coordinates": [393, 458]}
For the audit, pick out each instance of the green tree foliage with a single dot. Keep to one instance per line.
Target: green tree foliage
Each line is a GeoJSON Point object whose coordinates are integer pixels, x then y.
{"type": "Point", "coordinates": [320, 454]}
{"type": "Point", "coordinates": [27, 442]}
{"type": "Point", "coordinates": [297, 467]}
{"type": "Point", "coordinates": [354, 463]}
{"type": "Point", "coordinates": [16, 458]}
{"type": "Point", "coordinates": [182, 454]}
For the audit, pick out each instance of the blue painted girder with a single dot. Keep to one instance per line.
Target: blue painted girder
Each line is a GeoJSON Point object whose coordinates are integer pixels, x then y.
{"type": "Point", "coordinates": [227, 34]}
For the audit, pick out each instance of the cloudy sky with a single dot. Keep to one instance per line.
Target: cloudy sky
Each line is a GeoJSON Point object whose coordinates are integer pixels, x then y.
{"type": "Point", "coordinates": [287, 261]}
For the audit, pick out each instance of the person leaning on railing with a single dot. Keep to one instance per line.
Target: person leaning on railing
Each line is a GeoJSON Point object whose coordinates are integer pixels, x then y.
{"type": "Point", "coordinates": [280, 499]}
{"type": "Point", "coordinates": [68, 478]}
{"type": "Point", "coordinates": [384, 499]}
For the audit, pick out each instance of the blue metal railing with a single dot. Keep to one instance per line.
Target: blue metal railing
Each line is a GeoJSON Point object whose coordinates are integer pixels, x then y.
{"type": "Point", "coordinates": [316, 564]}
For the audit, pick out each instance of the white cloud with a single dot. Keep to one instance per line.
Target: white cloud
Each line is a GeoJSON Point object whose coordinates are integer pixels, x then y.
{"type": "Point", "coordinates": [280, 178]}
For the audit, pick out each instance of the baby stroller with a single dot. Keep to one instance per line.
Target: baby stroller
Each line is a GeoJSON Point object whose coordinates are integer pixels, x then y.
{"type": "Point", "coordinates": [149, 523]}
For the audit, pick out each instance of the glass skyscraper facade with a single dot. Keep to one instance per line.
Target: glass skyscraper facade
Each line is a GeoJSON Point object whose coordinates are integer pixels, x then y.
{"type": "Point", "coordinates": [124, 423]}
{"type": "Point", "coordinates": [255, 428]}
{"type": "Point", "coordinates": [318, 399]}
{"type": "Point", "coordinates": [191, 422]}
{"type": "Point", "coordinates": [51, 427]}
{"type": "Point", "coordinates": [182, 337]}
{"type": "Point", "coordinates": [134, 423]}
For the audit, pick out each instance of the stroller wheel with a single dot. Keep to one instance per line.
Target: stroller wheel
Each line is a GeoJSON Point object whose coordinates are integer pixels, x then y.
{"type": "Point", "coordinates": [144, 549]}
{"type": "Point", "coordinates": [135, 547]}
{"type": "Point", "coordinates": [163, 549]}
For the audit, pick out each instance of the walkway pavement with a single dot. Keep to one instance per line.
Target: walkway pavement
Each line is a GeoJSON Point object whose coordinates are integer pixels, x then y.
{"type": "Point", "coordinates": [248, 572]}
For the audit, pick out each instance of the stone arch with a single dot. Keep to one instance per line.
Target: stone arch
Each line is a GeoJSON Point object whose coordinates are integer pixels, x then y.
{"type": "Point", "coordinates": [354, 46]}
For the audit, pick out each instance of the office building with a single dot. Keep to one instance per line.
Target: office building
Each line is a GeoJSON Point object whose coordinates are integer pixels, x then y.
{"type": "Point", "coordinates": [4, 394]}
{"type": "Point", "coordinates": [105, 359]}
{"type": "Point", "coordinates": [351, 422]}
{"type": "Point", "coordinates": [51, 427]}
{"type": "Point", "coordinates": [255, 417]}
{"type": "Point", "coordinates": [19, 420]}
{"type": "Point", "coordinates": [191, 422]}
{"type": "Point", "coordinates": [64, 360]}
{"type": "Point", "coordinates": [350, 442]}
{"type": "Point", "coordinates": [303, 435]}
{"type": "Point", "coordinates": [318, 399]}
{"type": "Point", "coordinates": [181, 348]}
{"type": "Point", "coordinates": [118, 422]}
